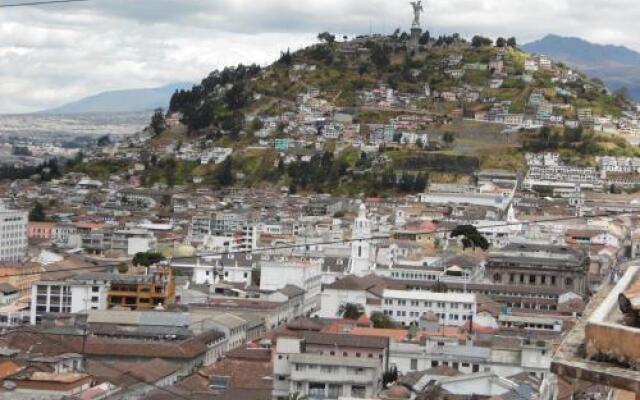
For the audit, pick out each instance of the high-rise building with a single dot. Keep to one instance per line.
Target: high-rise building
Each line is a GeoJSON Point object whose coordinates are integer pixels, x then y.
{"type": "Point", "coordinates": [13, 235]}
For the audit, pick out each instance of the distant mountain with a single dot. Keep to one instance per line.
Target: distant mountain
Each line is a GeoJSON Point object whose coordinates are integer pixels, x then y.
{"type": "Point", "coordinates": [616, 66]}
{"type": "Point", "coordinates": [120, 101]}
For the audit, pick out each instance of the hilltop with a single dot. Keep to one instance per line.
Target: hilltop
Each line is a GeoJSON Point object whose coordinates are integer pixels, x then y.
{"type": "Point", "coordinates": [382, 114]}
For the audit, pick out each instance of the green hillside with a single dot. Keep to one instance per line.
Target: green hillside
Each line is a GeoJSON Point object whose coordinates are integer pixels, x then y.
{"type": "Point", "coordinates": [431, 109]}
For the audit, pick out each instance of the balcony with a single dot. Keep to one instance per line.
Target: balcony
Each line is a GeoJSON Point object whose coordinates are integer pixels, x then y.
{"type": "Point", "coordinates": [324, 369]}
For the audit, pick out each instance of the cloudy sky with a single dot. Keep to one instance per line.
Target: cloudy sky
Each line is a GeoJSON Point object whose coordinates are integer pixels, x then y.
{"type": "Point", "coordinates": [50, 55]}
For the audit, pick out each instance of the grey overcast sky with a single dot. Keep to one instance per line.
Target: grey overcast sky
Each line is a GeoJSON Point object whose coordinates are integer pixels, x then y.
{"type": "Point", "coordinates": [50, 55]}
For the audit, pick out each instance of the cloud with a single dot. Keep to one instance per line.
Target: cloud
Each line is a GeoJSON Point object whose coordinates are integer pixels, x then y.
{"type": "Point", "coordinates": [55, 54]}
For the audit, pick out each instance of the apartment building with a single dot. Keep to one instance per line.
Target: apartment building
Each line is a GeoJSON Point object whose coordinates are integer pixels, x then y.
{"type": "Point", "coordinates": [13, 235]}
{"type": "Point", "coordinates": [68, 296]}
{"type": "Point", "coordinates": [101, 291]}
{"type": "Point", "coordinates": [228, 231]}
{"type": "Point", "coordinates": [329, 366]}
{"type": "Point", "coordinates": [407, 307]}
{"type": "Point", "coordinates": [129, 241]}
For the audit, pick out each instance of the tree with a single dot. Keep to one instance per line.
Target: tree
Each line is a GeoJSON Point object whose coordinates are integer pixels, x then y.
{"type": "Point", "coordinates": [573, 135]}
{"type": "Point", "coordinates": [238, 96]}
{"type": "Point", "coordinates": [350, 311]}
{"type": "Point", "coordinates": [326, 37]}
{"type": "Point", "coordinates": [380, 55]}
{"type": "Point", "coordinates": [225, 173]}
{"type": "Point", "coordinates": [471, 237]}
{"type": "Point", "coordinates": [104, 141]}
{"type": "Point", "coordinates": [480, 41]}
{"type": "Point", "coordinates": [511, 42]}
{"type": "Point", "coordinates": [448, 138]}
{"type": "Point", "coordinates": [169, 170]}
{"type": "Point", "coordinates": [424, 38]}
{"type": "Point", "coordinates": [363, 69]}
{"type": "Point", "coordinates": [286, 58]}
{"type": "Point", "coordinates": [147, 259]}
{"type": "Point", "coordinates": [389, 376]}
{"type": "Point", "coordinates": [382, 321]}
{"type": "Point", "coordinates": [158, 123]}
{"type": "Point", "coordinates": [501, 42]}
{"type": "Point", "coordinates": [37, 213]}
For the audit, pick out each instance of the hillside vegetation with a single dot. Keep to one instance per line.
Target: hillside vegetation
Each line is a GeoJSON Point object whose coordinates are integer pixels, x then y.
{"type": "Point", "coordinates": [276, 118]}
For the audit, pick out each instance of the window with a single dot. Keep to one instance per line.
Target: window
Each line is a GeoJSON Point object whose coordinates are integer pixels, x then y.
{"type": "Point", "coordinates": [95, 299]}
{"type": "Point", "coordinates": [414, 364]}
{"type": "Point", "coordinates": [95, 289]}
{"type": "Point", "coordinates": [358, 392]}
{"type": "Point", "coordinates": [358, 355]}
{"type": "Point", "coordinates": [568, 282]}
{"type": "Point", "coordinates": [335, 391]}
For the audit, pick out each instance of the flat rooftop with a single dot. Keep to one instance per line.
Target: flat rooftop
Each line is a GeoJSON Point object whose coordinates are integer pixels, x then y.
{"type": "Point", "coordinates": [600, 336]}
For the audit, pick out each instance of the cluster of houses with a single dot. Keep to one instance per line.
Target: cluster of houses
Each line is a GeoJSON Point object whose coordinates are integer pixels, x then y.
{"type": "Point", "coordinates": [464, 291]}
{"type": "Point", "coordinates": [547, 170]}
{"type": "Point", "coordinates": [251, 295]}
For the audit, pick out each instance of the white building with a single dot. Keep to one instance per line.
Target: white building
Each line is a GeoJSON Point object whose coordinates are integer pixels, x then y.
{"type": "Point", "coordinates": [406, 307]}
{"type": "Point", "coordinates": [322, 376]}
{"type": "Point", "coordinates": [234, 268]}
{"type": "Point", "coordinates": [469, 358]}
{"type": "Point", "coordinates": [215, 155]}
{"type": "Point", "coordinates": [344, 291]}
{"type": "Point", "coordinates": [79, 295]}
{"type": "Point", "coordinates": [361, 247]}
{"type": "Point", "coordinates": [306, 274]}
{"type": "Point", "coordinates": [13, 235]}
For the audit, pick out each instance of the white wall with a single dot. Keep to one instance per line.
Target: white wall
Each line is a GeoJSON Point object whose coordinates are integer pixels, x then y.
{"type": "Point", "coordinates": [137, 245]}
{"type": "Point", "coordinates": [331, 299]}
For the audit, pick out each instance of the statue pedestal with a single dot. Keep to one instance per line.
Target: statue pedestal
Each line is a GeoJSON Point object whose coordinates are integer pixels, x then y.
{"type": "Point", "coordinates": [414, 40]}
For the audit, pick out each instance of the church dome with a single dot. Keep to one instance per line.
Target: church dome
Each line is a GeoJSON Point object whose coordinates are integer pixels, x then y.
{"type": "Point", "coordinates": [398, 392]}
{"type": "Point", "coordinates": [184, 250]}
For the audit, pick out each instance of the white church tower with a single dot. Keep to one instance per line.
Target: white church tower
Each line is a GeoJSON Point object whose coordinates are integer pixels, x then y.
{"type": "Point", "coordinates": [361, 250]}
